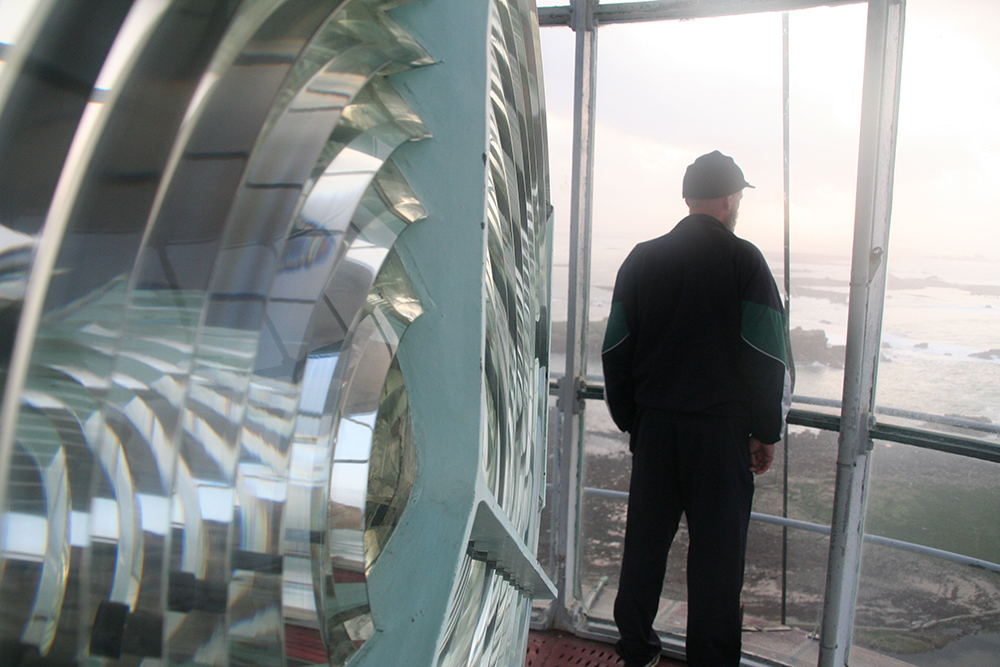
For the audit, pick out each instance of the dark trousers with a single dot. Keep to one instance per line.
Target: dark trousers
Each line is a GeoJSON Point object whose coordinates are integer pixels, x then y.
{"type": "Point", "coordinates": [698, 465]}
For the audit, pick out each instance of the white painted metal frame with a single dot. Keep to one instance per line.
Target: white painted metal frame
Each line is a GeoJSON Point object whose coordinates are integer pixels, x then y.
{"type": "Point", "coordinates": [876, 160]}
{"type": "Point", "coordinates": [571, 405]}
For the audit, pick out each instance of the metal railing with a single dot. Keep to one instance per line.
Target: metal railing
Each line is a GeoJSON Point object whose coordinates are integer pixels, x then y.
{"type": "Point", "coordinates": [927, 439]}
{"type": "Point", "coordinates": [825, 530]}
{"type": "Point", "coordinates": [943, 442]}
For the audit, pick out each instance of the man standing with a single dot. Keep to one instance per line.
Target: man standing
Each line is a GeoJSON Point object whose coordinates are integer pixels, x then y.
{"type": "Point", "coordinates": [695, 371]}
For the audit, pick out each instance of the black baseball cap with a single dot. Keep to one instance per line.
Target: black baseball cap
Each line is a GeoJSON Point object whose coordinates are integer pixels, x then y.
{"type": "Point", "coordinates": [712, 176]}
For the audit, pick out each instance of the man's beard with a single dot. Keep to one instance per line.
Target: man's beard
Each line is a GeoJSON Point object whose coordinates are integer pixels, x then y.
{"type": "Point", "coordinates": [730, 221]}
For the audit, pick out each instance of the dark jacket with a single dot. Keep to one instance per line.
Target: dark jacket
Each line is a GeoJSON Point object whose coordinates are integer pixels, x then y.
{"type": "Point", "coordinates": [697, 326]}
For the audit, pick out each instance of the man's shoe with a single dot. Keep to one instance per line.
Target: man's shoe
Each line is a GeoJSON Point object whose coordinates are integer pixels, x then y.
{"type": "Point", "coordinates": [655, 660]}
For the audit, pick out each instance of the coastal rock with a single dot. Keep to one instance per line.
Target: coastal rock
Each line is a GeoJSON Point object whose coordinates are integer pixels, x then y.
{"type": "Point", "coordinates": [813, 347]}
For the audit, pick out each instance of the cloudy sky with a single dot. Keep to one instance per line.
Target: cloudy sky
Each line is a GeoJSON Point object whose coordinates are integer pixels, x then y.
{"type": "Point", "coordinates": [670, 91]}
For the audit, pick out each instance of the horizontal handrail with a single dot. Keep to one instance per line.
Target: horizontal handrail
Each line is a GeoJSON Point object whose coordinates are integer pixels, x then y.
{"type": "Point", "coordinates": [971, 424]}
{"type": "Point", "coordinates": [942, 442]}
{"type": "Point", "coordinates": [825, 530]}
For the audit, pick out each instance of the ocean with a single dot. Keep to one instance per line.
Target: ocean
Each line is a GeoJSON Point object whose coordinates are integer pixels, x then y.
{"type": "Point", "coordinates": [940, 336]}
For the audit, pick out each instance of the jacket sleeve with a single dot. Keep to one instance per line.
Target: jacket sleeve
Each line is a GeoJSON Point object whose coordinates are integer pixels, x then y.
{"type": "Point", "coordinates": [764, 356]}
{"type": "Point", "coordinates": [617, 354]}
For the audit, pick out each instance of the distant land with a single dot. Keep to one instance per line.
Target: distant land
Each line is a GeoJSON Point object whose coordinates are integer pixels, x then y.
{"type": "Point", "coordinates": [896, 282]}
{"type": "Point", "coordinates": [776, 257]}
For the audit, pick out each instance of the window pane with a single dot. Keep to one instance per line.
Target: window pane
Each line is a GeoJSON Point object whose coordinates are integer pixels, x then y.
{"type": "Point", "coordinates": [658, 109]}
{"type": "Point", "coordinates": [921, 608]}
{"type": "Point", "coordinates": [940, 348]}
{"type": "Point", "coordinates": [826, 67]}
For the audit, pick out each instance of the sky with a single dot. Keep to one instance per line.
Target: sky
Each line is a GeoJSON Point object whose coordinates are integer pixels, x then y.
{"type": "Point", "coordinates": [669, 91]}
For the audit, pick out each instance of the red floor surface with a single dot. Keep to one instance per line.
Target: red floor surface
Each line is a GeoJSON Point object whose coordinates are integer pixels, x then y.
{"type": "Point", "coordinates": [560, 649]}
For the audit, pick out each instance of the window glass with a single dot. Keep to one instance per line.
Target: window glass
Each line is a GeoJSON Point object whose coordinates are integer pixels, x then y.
{"type": "Point", "coordinates": [659, 108]}
{"type": "Point", "coordinates": [940, 353]}
{"type": "Point", "coordinates": [919, 600]}
{"type": "Point", "coordinates": [940, 363]}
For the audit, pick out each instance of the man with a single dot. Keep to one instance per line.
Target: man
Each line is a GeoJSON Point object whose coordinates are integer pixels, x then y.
{"type": "Point", "coordinates": [695, 371]}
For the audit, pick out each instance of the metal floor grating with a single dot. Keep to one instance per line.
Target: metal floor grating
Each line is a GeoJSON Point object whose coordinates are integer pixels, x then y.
{"type": "Point", "coordinates": [560, 649]}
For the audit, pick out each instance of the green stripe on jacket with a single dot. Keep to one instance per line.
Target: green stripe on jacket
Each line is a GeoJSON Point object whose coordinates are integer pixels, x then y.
{"type": "Point", "coordinates": [617, 330]}
{"type": "Point", "coordinates": [763, 328]}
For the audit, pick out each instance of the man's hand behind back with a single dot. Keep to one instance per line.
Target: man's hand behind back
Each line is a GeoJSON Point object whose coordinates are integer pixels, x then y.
{"type": "Point", "coordinates": [761, 456]}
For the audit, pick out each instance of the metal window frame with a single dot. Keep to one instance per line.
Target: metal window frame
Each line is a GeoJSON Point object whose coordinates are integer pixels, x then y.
{"type": "Point", "coordinates": [856, 423]}
{"type": "Point", "coordinates": [876, 164]}
{"type": "Point", "coordinates": [568, 456]}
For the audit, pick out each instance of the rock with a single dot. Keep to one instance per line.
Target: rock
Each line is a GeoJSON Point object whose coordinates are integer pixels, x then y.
{"type": "Point", "coordinates": [812, 347]}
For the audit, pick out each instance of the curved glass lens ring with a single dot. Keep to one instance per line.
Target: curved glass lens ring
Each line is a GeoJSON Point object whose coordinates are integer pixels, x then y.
{"type": "Point", "coordinates": [278, 179]}
{"type": "Point", "coordinates": [83, 308]}
{"type": "Point", "coordinates": [358, 402]}
{"type": "Point", "coordinates": [198, 402]}
{"type": "Point", "coordinates": [46, 133]}
{"type": "Point", "coordinates": [392, 465]}
{"type": "Point", "coordinates": [155, 442]}
{"type": "Point", "coordinates": [515, 273]}
{"type": "Point", "coordinates": [516, 335]}
{"type": "Point", "coordinates": [487, 618]}
{"type": "Point", "coordinates": [49, 459]}
{"type": "Point", "coordinates": [464, 613]}
{"type": "Point", "coordinates": [213, 442]}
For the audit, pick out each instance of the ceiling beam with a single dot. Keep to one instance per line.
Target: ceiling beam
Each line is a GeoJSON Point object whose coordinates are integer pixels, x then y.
{"type": "Point", "coordinates": [660, 10]}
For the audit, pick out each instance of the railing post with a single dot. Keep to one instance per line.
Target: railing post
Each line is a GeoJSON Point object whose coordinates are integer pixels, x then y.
{"type": "Point", "coordinates": [876, 159]}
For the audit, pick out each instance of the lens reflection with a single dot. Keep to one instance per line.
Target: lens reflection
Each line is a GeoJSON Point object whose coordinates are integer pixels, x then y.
{"type": "Point", "coordinates": [207, 441]}
{"type": "Point", "coordinates": [189, 476]}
